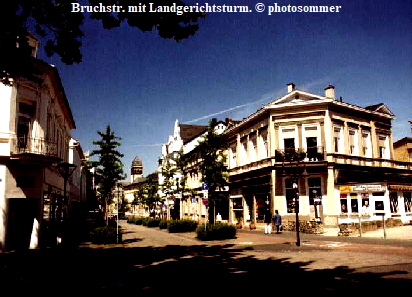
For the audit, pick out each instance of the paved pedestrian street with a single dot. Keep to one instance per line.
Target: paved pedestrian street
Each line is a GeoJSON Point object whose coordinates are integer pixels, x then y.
{"type": "Point", "coordinates": [152, 262]}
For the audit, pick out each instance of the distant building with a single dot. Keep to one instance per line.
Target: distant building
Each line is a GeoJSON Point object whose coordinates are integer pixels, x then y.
{"type": "Point", "coordinates": [403, 149]}
{"type": "Point", "coordinates": [185, 139]}
{"type": "Point", "coordinates": [130, 189]}
{"type": "Point", "coordinates": [136, 171]}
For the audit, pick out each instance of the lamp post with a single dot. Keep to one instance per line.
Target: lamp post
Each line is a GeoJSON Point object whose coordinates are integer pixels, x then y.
{"type": "Point", "coordinates": [295, 174]}
{"type": "Point", "coordinates": [118, 191]}
{"type": "Point", "coordinates": [65, 170]}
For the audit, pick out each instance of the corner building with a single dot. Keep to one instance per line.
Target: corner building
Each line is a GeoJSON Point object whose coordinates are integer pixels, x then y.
{"type": "Point", "coordinates": [336, 155]}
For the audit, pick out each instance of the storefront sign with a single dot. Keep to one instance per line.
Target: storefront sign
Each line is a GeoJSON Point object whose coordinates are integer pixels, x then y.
{"type": "Point", "coordinates": [361, 188]}
{"type": "Point", "coordinates": [400, 188]}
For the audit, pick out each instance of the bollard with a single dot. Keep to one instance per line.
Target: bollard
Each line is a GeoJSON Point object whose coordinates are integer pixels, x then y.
{"type": "Point", "coordinates": [384, 226]}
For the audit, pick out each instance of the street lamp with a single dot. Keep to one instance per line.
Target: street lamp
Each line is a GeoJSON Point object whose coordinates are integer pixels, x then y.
{"type": "Point", "coordinates": [65, 170]}
{"type": "Point", "coordinates": [118, 191]}
{"type": "Point", "coordinates": [295, 174]}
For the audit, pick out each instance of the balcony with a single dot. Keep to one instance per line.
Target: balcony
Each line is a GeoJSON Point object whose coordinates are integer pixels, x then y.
{"type": "Point", "coordinates": [33, 146]}
{"type": "Point", "coordinates": [309, 154]}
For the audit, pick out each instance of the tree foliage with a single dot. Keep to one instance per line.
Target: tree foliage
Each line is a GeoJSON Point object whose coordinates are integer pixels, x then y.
{"type": "Point", "coordinates": [213, 160]}
{"type": "Point", "coordinates": [54, 21]}
{"type": "Point", "coordinates": [109, 167]}
{"type": "Point", "coordinates": [147, 192]}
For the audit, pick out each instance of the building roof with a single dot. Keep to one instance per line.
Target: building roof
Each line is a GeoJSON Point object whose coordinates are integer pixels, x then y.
{"type": "Point", "coordinates": [55, 77]}
{"type": "Point", "coordinates": [137, 161]}
{"type": "Point", "coordinates": [188, 132]}
{"type": "Point", "coordinates": [299, 97]}
{"type": "Point", "coordinates": [381, 107]}
{"type": "Point", "coordinates": [402, 141]}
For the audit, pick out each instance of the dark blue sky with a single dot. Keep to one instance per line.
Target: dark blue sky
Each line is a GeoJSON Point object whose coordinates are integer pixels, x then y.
{"type": "Point", "coordinates": [140, 84]}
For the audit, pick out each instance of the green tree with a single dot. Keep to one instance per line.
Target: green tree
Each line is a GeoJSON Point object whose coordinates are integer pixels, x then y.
{"type": "Point", "coordinates": [60, 28]}
{"type": "Point", "coordinates": [151, 188]}
{"type": "Point", "coordinates": [212, 164]}
{"type": "Point", "coordinates": [109, 168]}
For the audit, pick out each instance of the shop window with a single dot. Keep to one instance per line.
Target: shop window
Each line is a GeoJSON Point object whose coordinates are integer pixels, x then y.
{"type": "Point", "coordinates": [393, 199]}
{"type": "Point", "coordinates": [343, 203]}
{"type": "Point", "coordinates": [354, 202]}
{"type": "Point", "coordinates": [260, 208]}
{"type": "Point", "coordinates": [407, 201]}
{"type": "Point", "coordinates": [365, 199]}
{"type": "Point", "coordinates": [237, 204]}
{"type": "Point", "coordinates": [379, 205]}
{"type": "Point", "coordinates": [315, 189]}
{"type": "Point", "coordinates": [290, 195]}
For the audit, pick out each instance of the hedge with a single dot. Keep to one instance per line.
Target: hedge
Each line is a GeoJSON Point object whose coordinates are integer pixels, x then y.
{"type": "Point", "coordinates": [178, 226]}
{"type": "Point", "coordinates": [216, 232]}
{"type": "Point", "coordinates": [105, 235]}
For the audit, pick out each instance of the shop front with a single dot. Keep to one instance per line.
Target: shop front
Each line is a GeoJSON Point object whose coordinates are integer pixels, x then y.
{"type": "Point", "coordinates": [370, 202]}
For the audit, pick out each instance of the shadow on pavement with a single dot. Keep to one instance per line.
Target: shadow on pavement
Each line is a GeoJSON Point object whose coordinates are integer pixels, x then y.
{"type": "Point", "coordinates": [183, 270]}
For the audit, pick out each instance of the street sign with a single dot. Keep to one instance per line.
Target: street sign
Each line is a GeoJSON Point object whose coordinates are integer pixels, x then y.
{"type": "Point", "coordinates": [205, 202]}
{"type": "Point", "coordinates": [205, 186]}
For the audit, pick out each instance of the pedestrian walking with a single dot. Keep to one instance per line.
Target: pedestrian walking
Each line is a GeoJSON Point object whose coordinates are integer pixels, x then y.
{"type": "Point", "coordinates": [268, 220]}
{"type": "Point", "coordinates": [278, 221]}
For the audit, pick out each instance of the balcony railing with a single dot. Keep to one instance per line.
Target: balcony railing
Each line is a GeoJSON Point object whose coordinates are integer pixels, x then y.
{"type": "Point", "coordinates": [38, 146]}
{"type": "Point", "coordinates": [309, 154]}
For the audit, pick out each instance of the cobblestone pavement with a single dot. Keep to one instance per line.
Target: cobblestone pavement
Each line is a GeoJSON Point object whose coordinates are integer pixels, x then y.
{"type": "Point", "coordinates": [320, 253]}
{"type": "Point", "coordinates": [152, 262]}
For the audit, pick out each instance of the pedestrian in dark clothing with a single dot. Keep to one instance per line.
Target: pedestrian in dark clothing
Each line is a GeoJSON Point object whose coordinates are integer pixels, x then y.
{"type": "Point", "coordinates": [268, 220]}
{"type": "Point", "coordinates": [278, 221]}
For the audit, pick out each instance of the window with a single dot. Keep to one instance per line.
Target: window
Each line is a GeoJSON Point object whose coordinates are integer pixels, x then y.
{"type": "Point", "coordinates": [366, 144]}
{"type": "Point", "coordinates": [263, 138]}
{"type": "Point", "coordinates": [252, 148]}
{"type": "Point", "coordinates": [352, 142]}
{"type": "Point", "coordinates": [232, 158]}
{"type": "Point", "coordinates": [344, 203]}
{"type": "Point", "coordinates": [290, 194]}
{"type": "Point", "coordinates": [337, 138]}
{"type": "Point", "coordinates": [289, 144]}
{"type": "Point", "coordinates": [354, 202]}
{"type": "Point", "coordinates": [408, 201]}
{"type": "Point", "coordinates": [25, 119]}
{"type": "Point", "coordinates": [237, 204]}
{"type": "Point", "coordinates": [382, 146]}
{"type": "Point", "coordinates": [365, 202]}
{"type": "Point", "coordinates": [379, 205]}
{"type": "Point", "coordinates": [393, 199]}
{"type": "Point", "coordinates": [315, 189]}
{"type": "Point", "coordinates": [311, 144]}
{"type": "Point", "coordinates": [243, 146]}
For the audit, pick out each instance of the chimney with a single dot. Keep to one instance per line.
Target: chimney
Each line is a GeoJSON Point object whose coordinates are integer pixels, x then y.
{"type": "Point", "coordinates": [330, 92]}
{"type": "Point", "coordinates": [291, 87]}
{"type": "Point", "coordinates": [228, 122]}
